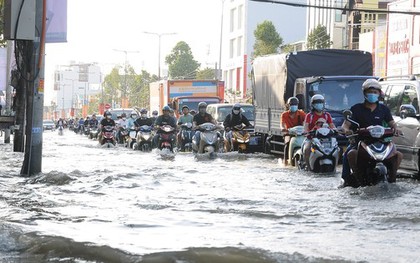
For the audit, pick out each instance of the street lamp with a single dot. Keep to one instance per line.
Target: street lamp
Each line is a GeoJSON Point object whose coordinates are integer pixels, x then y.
{"type": "Point", "coordinates": [219, 73]}
{"type": "Point", "coordinates": [125, 72]}
{"type": "Point", "coordinates": [159, 35]}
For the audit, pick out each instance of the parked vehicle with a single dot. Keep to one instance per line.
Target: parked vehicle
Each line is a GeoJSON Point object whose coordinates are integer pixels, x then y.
{"type": "Point", "coordinates": [178, 93]}
{"type": "Point", "coordinates": [279, 77]}
{"type": "Point", "coordinates": [48, 125]}
{"type": "Point", "coordinates": [402, 94]}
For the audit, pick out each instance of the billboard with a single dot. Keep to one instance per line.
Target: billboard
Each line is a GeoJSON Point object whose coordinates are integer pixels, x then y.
{"type": "Point", "coordinates": [56, 21]}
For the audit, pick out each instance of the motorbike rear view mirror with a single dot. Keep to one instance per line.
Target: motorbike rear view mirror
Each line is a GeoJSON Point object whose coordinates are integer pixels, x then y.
{"type": "Point", "coordinates": [347, 114]}
{"type": "Point", "coordinates": [407, 110]}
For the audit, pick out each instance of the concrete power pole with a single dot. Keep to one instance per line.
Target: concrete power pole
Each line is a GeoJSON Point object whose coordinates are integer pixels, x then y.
{"type": "Point", "coordinates": [32, 163]}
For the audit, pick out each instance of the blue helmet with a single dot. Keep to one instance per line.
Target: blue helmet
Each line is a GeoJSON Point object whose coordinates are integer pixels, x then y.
{"type": "Point", "coordinates": [166, 108]}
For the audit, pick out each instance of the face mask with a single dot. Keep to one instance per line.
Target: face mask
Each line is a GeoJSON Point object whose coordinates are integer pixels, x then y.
{"type": "Point", "coordinates": [133, 116]}
{"type": "Point", "coordinates": [108, 117]}
{"type": "Point", "coordinates": [293, 108]}
{"type": "Point", "coordinates": [318, 106]}
{"type": "Point", "coordinates": [236, 112]}
{"type": "Point", "coordinates": [144, 115]}
{"type": "Point", "coordinates": [372, 98]}
{"type": "Point", "coordinates": [123, 119]}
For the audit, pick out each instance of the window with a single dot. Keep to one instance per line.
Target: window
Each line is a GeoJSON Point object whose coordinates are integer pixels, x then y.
{"type": "Point", "coordinates": [232, 19]}
{"type": "Point", "coordinates": [239, 47]}
{"type": "Point", "coordinates": [240, 16]}
{"type": "Point", "coordinates": [232, 48]}
{"type": "Point", "coordinates": [410, 97]}
{"type": "Point", "coordinates": [393, 98]}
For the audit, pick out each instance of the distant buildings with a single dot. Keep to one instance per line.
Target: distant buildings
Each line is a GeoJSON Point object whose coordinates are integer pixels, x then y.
{"type": "Point", "coordinates": [73, 85]}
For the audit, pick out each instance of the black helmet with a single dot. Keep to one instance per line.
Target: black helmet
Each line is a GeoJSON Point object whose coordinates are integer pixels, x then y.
{"type": "Point", "coordinates": [293, 101]}
{"type": "Point", "coordinates": [202, 105]}
{"type": "Point", "coordinates": [108, 113]}
{"type": "Point", "coordinates": [143, 111]}
{"type": "Point", "coordinates": [155, 112]}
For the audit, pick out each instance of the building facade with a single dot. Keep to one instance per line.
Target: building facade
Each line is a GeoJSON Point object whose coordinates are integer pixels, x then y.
{"type": "Point", "coordinates": [73, 86]}
{"type": "Point", "coordinates": [240, 19]}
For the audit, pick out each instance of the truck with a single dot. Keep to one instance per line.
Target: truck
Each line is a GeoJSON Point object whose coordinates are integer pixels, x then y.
{"type": "Point", "coordinates": [336, 74]}
{"type": "Point", "coordinates": [177, 93]}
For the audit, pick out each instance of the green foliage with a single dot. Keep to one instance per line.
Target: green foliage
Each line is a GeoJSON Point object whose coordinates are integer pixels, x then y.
{"type": "Point", "coordinates": [319, 38]}
{"type": "Point", "coordinates": [181, 62]}
{"type": "Point", "coordinates": [267, 40]}
{"type": "Point", "coordinates": [287, 48]}
{"type": "Point", "coordinates": [207, 73]}
{"type": "Point", "coordinates": [137, 87]}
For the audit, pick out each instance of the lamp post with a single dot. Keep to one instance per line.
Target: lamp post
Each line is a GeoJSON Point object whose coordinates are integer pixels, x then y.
{"type": "Point", "coordinates": [219, 73]}
{"type": "Point", "coordinates": [125, 73]}
{"type": "Point", "coordinates": [159, 36]}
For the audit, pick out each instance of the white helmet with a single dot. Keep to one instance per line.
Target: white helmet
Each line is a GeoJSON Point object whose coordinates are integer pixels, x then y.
{"type": "Point", "coordinates": [317, 99]}
{"type": "Point", "coordinates": [371, 84]}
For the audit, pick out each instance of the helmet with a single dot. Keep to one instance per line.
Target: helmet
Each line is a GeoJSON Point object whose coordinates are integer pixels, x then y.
{"type": "Point", "coordinates": [108, 113]}
{"type": "Point", "coordinates": [166, 108]}
{"type": "Point", "coordinates": [123, 115]}
{"type": "Point", "coordinates": [237, 106]}
{"type": "Point", "coordinates": [94, 115]}
{"type": "Point", "coordinates": [185, 107]}
{"type": "Point", "coordinates": [371, 84]}
{"type": "Point", "coordinates": [155, 112]}
{"type": "Point", "coordinates": [293, 101]}
{"type": "Point", "coordinates": [192, 112]}
{"type": "Point", "coordinates": [202, 105]}
{"type": "Point", "coordinates": [317, 98]}
{"type": "Point", "coordinates": [143, 111]}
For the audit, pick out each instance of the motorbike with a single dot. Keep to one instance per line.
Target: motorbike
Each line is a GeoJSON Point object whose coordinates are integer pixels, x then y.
{"type": "Point", "coordinates": [166, 138]}
{"type": "Point", "coordinates": [376, 155]}
{"type": "Point", "coordinates": [209, 139]}
{"type": "Point", "coordinates": [187, 135]}
{"type": "Point", "coordinates": [108, 138]}
{"type": "Point", "coordinates": [122, 135]}
{"type": "Point", "coordinates": [86, 130]}
{"type": "Point", "coordinates": [132, 135]}
{"type": "Point", "coordinates": [93, 132]}
{"type": "Point", "coordinates": [144, 139]}
{"type": "Point", "coordinates": [295, 143]}
{"type": "Point", "coordinates": [240, 139]}
{"type": "Point", "coordinates": [60, 130]}
{"type": "Point", "coordinates": [76, 128]}
{"type": "Point", "coordinates": [324, 151]}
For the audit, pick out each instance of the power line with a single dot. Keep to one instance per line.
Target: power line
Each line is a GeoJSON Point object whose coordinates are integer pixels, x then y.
{"type": "Point", "coordinates": [376, 11]}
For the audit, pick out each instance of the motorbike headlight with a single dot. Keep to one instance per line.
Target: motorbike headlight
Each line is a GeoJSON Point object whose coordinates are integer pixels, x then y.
{"type": "Point", "coordinates": [146, 137]}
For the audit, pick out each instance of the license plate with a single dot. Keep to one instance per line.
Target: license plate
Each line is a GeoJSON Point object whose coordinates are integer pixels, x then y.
{"type": "Point", "coordinates": [253, 141]}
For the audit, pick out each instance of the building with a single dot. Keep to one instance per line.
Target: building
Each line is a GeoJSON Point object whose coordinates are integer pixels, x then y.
{"type": "Point", "coordinates": [73, 86]}
{"type": "Point", "coordinates": [335, 20]}
{"type": "Point", "coordinates": [240, 19]}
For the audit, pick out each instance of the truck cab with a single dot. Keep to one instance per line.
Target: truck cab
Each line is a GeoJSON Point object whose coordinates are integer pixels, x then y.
{"type": "Point", "coordinates": [191, 102]}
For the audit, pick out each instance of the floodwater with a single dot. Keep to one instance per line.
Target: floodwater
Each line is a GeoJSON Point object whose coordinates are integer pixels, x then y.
{"type": "Point", "coordinates": [94, 204]}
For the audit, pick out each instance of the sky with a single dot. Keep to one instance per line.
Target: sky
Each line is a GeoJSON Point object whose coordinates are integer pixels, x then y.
{"type": "Point", "coordinates": [95, 28]}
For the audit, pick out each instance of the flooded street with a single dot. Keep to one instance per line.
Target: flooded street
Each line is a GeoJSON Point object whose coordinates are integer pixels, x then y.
{"type": "Point", "coordinates": [93, 204]}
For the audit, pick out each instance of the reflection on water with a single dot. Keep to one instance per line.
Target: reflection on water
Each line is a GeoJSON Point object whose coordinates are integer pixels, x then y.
{"type": "Point", "coordinates": [92, 204]}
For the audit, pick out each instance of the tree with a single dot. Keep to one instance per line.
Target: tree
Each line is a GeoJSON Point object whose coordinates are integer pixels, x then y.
{"type": "Point", "coordinates": [112, 87]}
{"type": "Point", "coordinates": [267, 40]}
{"type": "Point", "coordinates": [319, 38]}
{"type": "Point", "coordinates": [207, 73]}
{"type": "Point", "coordinates": [181, 62]}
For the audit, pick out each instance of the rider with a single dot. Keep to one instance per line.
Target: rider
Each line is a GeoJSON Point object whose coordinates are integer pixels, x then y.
{"type": "Point", "coordinates": [289, 119]}
{"type": "Point", "coordinates": [143, 119]}
{"type": "Point", "coordinates": [107, 121]}
{"type": "Point", "coordinates": [155, 114]}
{"type": "Point", "coordinates": [370, 112]}
{"type": "Point", "coordinates": [60, 123]}
{"type": "Point", "coordinates": [233, 119]}
{"type": "Point", "coordinates": [93, 122]}
{"type": "Point", "coordinates": [164, 119]}
{"type": "Point", "coordinates": [122, 125]}
{"type": "Point", "coordinates": [311, 120]}
{"type": "Point", "coordinates": [186, 117]}
{"type": "Point", "coordinates": [201, 117]}
{"type": "Point", "coordinates": [132, 119]}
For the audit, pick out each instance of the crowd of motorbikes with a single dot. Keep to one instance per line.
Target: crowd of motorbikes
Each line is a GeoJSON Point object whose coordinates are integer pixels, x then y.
{"type": "Point", "coordinates": [211, 139]}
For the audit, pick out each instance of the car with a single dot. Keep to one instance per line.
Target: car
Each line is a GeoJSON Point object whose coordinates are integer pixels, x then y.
{"type": "Point", "coordinates": [118, 112]}
{"type": "Point", "coordinates": [401, 95]}
{"type": "Point", "coordinates": [48, 125]}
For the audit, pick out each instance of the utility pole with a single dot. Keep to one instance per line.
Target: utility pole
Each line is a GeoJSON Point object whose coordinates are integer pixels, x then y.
{"type": "Point", "coordinates": [124, 91]}
{"type": "Point", "coordinates": [8, 105]}
{"type": "Point", "coordinates": [32, 163]}
{"type": "Point", "coordinates": [160, 36]}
